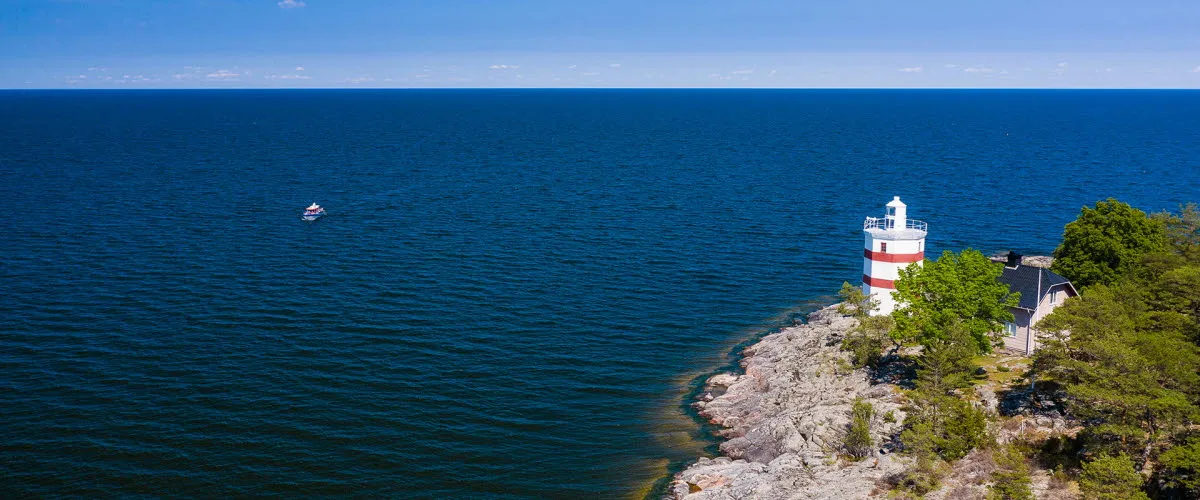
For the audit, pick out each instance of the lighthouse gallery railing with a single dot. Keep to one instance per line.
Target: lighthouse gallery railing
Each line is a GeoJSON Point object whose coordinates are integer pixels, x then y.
{"type": "Point", "coordinates": [881, 223]}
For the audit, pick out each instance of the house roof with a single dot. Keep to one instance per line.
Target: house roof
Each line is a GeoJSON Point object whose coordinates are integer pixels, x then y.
{"type": "Point", "coordinates": [1025, 279]}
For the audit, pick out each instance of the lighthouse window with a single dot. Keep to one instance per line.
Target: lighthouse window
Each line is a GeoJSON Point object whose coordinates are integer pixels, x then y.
{"type": "Point", "coordinates": [883, 247]}
{"type": "Point", "coordinates": [891, 211]}
{"type": "Point", "coordinates": [1011, 328]}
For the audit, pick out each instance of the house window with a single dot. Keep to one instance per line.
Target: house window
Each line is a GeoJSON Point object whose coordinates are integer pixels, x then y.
{"type": "Point", "coordinates": [1053, 296]}
{"type": "Point", "coordinates": [883, 247]}
{"type": "Point", "coordinates": [1011, 328]}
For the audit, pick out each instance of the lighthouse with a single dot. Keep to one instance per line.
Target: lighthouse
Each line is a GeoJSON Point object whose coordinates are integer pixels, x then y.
{"type": "Point", "coordinates": [890, 243]}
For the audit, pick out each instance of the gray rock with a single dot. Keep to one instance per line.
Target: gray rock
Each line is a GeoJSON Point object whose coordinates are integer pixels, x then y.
{"type": "Point", "coordinates": [785, 419]}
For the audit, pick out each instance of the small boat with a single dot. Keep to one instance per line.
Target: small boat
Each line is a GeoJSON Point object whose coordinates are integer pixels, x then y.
{"type": "Point", "coordinates": [313, 212]}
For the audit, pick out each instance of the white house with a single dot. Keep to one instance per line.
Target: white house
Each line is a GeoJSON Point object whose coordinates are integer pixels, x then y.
{"type": "Point", "coordinates": [1042, 290]}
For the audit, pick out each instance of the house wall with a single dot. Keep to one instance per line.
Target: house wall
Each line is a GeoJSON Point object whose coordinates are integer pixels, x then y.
{"type": "Point", "coordinates": [1046, 307]}
{"type": "Point", "coordinates": [1018, 342]}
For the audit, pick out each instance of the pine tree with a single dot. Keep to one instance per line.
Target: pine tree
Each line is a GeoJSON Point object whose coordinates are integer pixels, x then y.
{"type": "Point", "coordinates": [1111, 478]}
{"type": "Point", "coordinates": [1011, 478]}
{"type": "Point", "coordinates": [1134, 386]}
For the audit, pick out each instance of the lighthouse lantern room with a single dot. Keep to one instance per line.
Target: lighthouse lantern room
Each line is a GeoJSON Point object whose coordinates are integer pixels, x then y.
{"type": "Point", "coordinates": [890, 243]}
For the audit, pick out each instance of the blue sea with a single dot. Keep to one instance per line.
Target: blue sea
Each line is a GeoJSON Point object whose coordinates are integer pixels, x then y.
{"type": "Point", "coordinates": [515, 292]}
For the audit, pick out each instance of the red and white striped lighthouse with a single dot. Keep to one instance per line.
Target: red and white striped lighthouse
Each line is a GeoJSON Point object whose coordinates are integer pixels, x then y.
{"type": "Point", "coordinates": [890, 244]}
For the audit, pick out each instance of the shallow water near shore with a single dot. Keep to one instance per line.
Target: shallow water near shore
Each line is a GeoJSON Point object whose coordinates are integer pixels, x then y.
{"type": "Point", "coordinates": [513, 291]}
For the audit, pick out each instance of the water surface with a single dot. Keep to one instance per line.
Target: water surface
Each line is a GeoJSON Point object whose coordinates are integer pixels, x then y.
{"type": "Point", "coordinates": [513, 289]}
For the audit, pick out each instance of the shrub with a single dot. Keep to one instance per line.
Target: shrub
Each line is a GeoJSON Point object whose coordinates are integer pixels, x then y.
{"type": "Point", "coordinates": [858, 439]}
{"type": "Point", "coordinates": [925, 474]}
{"type": "Point", "coordinates": [1011, 477]}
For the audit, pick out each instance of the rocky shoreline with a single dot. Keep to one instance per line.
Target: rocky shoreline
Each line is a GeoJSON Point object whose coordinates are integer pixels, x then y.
{"type": "Point", "coordinates": [784, 419]}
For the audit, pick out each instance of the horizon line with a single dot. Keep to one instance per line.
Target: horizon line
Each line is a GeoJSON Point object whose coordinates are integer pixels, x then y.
{"type": "Point", "coordinates": [125, 89]}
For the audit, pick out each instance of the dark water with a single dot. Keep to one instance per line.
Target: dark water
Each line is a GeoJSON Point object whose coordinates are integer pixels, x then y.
{"type": "Point", "coordinates": [513, 289]}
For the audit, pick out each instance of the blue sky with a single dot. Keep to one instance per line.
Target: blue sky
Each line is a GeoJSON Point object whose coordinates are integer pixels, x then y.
{"type": "Point", "coordinates": [612, 43]}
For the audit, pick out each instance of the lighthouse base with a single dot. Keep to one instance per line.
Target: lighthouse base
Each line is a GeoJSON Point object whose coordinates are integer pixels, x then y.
{"type": "Point", "coordinates": [883, 296]}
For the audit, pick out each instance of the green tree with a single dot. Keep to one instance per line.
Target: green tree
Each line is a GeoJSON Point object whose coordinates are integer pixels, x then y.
{"type": "Point", "coordinates": [1111, 478]}
{"type": "Point", "coordinates": [867, 341]}
{"type": "Point", "coordinates": [947, 364]}
{"type": "Point", "coordinates": [858, 438]}
{"type": "Point", "coordinates": [854, 302]}
{"type": "Point", "coordinates": [925, 474]}
{"type": "Point", "coordinates": [1135, 386]}
{"type": "Point", "coordinates": [947, 425]}
{"type": "Point", "coordinates": [1011, 478]}
{"type": "Point", "coordinates": [956, 289]}
{"type": "Point", "coordinates": [1183, 230]}
{"type": "Point", "coordinates": [1181, 468]}
{"type": "Point", "coordinates": [955, 426]}
{"type": "Point", "coordinates": [1105, 242]}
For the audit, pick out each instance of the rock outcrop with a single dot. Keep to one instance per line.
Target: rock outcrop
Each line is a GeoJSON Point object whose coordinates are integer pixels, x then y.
{"type": "Point", "coordinates": [1044, 261]}
{"type": "Point", "coordinates": [785, 418]}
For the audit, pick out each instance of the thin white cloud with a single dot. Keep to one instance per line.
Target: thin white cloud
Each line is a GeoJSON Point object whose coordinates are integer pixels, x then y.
{"type": "Point", "coordinates": [592, 73]}
{"type": "Point", "coordinates": [358, 79]}
{"type": "Point", "coordinates": [1062, 64]}
{"type": "Point", "coordinates": [287, 77]}
{"type": "Point", "coordinates": [421, 75]}
{"type": "Point", "coordinates": [504, 66]}
{"type": "Point", "coordinates": [951, 66]}
{"type": "Point", "coordinates": [913, 69]}
{"type": "Point", "coordinates": [1196, 69]}
{"type": "Point", "coordinates": [978, 69]}
{"type": "Point", "coordinates": [299, 68]}
{"type": "Point", "coordinates": [219, 75]}
{"type": "Point", "coordinates": [744, 71]}
{"type": "Point", "coordinates": [614, 65]}
{"type": "Point", "coordinates": [133, 79]}
{"type": "Point", "coordinates": [291, 4]}
{"type": "Point", "coordinates": [97, 68]}
{"type": "Point", "coordinates": [772, 73]}
{"type": "Point", "coordinates": [573, 66]}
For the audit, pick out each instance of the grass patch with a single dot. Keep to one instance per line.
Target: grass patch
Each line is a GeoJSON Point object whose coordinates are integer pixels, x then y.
{"type": "Point", "coordinates": [1002, 370]}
